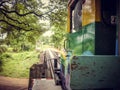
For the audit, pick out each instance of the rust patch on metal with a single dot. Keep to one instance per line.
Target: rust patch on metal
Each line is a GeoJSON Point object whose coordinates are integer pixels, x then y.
{"type": "Point", "coordinates": [83, 68]}
{"type": "Point", "coordinates": [75, 58]}
{"type": "Point", "coordinates": [74, 66]}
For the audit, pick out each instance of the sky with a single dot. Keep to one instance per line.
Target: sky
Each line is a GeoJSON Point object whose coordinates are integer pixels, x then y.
{"type": "Point", "coordinates": [48, 33]}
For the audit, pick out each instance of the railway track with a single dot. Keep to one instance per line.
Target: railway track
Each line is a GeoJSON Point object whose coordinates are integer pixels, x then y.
{"type": "Point", "coordinates": [47, 70]}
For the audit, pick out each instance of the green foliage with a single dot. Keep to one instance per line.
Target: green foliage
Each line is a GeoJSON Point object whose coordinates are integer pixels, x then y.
{"type": "Point", "coordinates": [3, 49]}
{"type": "Point", "coordinates": [18, 64]}
{"type": "Point", "coordinates": [23, 29]}
{"type": "Point", "coordinates": [19, 19]}
{"type": "Point", "coordinates": [58, 22]}
{"type": "Point", "coordinates": [2, 57]}
{"type": "Point", "coordinates": [1, 63]}
{"type": "Point", "coordinates": [25, 47]}
{"type": "Point", "coordinates": [5, 55]}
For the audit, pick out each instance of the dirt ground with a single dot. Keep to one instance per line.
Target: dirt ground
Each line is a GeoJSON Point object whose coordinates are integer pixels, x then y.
{"type": "Point", "coordinates": [7, 83]}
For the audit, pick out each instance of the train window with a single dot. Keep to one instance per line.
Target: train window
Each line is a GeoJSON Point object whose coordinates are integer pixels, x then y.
{"type": "Point", "coordinates": [109, 12]}
{"type": "Point", "coordinates": [77, 16]}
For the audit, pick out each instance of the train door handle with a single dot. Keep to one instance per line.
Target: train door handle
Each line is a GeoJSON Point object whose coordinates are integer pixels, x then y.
{"type": "Point", "coordinates": [67, 44]}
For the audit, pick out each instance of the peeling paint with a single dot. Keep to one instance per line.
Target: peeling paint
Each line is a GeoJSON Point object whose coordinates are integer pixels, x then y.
{"type": "Point", "coordinates": [95, 72]}
{"type": "Point", "coordinates": [75, 58]}
{"type": "Point", "coordinates": [74, 66]}
{"type": "Point", "coordinates": [83, 68]}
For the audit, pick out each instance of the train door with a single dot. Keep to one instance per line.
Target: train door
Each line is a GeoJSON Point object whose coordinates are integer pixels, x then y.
{"type": "Point", "coordinates": [106, 34]}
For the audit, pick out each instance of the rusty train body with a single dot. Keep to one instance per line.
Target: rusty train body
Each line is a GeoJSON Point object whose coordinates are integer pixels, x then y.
{"type": "Point", "coordinates": [92, 46]}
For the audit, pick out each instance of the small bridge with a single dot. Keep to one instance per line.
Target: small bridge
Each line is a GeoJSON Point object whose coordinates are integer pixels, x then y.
{"type": "Point", "coordinates": [45, 74]}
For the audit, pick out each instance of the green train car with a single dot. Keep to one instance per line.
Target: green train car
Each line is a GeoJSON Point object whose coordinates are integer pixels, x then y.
{"type": "Point", "coordinates": [92, 46]}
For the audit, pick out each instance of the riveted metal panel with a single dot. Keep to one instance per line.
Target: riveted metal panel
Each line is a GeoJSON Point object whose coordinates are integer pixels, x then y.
{"type": "Point", "coordinates": [93, 72]}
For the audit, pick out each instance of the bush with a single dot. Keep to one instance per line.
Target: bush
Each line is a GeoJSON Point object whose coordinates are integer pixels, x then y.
{"type": "Point", "coordinates": [1, 63]}
{"type": "Point", "coordinates": [25, 47]}
{"type": "Point", "coordinates": [3, 49]}
{"type": "Point", "coordinates": [5, 56]}
{"type": "Point", "coordinates": [17, 64]}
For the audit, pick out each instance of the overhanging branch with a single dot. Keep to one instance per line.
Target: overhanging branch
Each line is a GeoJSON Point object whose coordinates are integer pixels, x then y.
{"type": "Point", "coordinates": [14, 11]}
{"type": "Point", "coordinates": [16, 27]}
{"type": "Point", "coordinates": [9, 23]}
{"type": "Point", "coordinates": [11, 18]}
{"type": "Point", "coordinates": [25, 14]}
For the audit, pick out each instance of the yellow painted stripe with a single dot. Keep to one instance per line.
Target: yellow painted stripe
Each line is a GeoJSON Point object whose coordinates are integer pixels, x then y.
{"type": "Point", "coordinates": [91, 12]}
{"type": "Point", "coordinates": [88, 12]}
{"type": "Point", "coordinates": [68, 20]}
{"type": "Point", "coordinates": [98, 10]}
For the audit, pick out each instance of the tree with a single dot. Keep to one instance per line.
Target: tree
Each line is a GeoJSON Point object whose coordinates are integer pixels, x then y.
{"type": "Point", "coordinates": [20, 18]}
{"type": "Point", "coordinates": [58, 20]}
{"type": "Point", "coordinates": [15, 13]}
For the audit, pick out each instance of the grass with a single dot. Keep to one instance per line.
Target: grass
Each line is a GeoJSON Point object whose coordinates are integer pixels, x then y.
{"type": "Point", "coordinates": [18, 64]}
